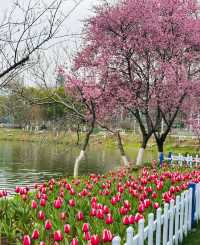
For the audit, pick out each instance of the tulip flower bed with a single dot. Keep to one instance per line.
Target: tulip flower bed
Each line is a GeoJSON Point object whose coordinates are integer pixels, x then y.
{"type": "Point", "coordinates": [90, 210]}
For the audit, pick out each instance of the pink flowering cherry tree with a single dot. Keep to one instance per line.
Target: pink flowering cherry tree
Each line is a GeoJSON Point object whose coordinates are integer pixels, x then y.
{"type": "Point", "coordinates": [147, 57]}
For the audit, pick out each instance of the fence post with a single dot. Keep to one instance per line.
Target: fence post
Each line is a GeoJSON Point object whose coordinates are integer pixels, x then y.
{"type": "Point", "coordinates": [150, 230]}
{"type": "Point", "coordinates": [192, 204]}
{"type": "Point", "coordinates": [196, 160]}
{"type": "Point", "coordinates": [186, 213]}
{"type": "Point", "coordinates": [116, 240]}
{"type": "Point", "coordinates": [129, 235]}
{"type": "Point", "coordinates": [141, 232]}
{"type": "Point", "coordinates": [181, 216]}
{"type": "Point", "coordinates": [197, 196]}
{"type": "Point", "coordinates": [165, 224]}
{"type": "Point", "coordinates": [191, 160]}
{"type": "Point", "coordinates": [158, 226]}
{"type": "Point", "coordinates": [180, 159]}
{"type": "Point", "coordinates": [177, 219]}
{"type": "Point", "coordinates": [171, 222]}
{"type": "Point", "coordinates": [188, 159]}
{"type": "Point", "coordinates": [170, 158]}
{"type": "Point", "coordinates": [161, 158]}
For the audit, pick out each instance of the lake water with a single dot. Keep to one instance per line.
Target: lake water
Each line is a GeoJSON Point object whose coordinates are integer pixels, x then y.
{"type": "Point", "coordinates": [24, 163]}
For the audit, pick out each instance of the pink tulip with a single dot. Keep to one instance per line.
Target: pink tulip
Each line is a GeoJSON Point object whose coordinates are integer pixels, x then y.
{"type": "Point", "coordinates": [80, 216]}
{"type": "Point", "coordinates": [58, 235]}
{"type": "Point", "coordinates": [57, 203]}
{"type": "Point", "coordinates": [26, 240]}
{"type": "Point", "coordinates": [41, 215]}
{"type": "Point", "coordinates": [35, 235]}
{"type": "Point", "coordinates": [34, 204]}
{"type": "Point", "coordinates": [48, 225]}
{"type": "Point", "coordinates": [74, 241]}
{"type": "Point", "coordinates": [107, 236]}
{"type": "Point", "coordinates": [95, 240]}
{"type": "Point", "coordinates": [67, 228]}
{"type": "Point", "coordinates": [109, 219]}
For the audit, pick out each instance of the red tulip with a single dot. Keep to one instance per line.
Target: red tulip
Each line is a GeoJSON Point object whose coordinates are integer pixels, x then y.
{"type": "Point", "coordinates": [17, 189]}
{"type": "Point", "coordinates": [58, 235]}
{"type": "Point", "coordinates": [107, 236]}
{"type": "Point", "coordinates": [172, 189]}
{"type": "Point", "coordinates": [42, 202]}
{"type": "Point", "coordinates": [26, 240]}
{"type": "Point", "coordinates": [131, 219]}
{"type": "Point", "coordinates": [72, 203]}
{"type": "Point", "coordinates": [106, 209]}
{"type": "Point", "coordinates": [44, 196]}
{"type": "Point", "coordinates": [156, 205]}
{"type": "Point", "coordinates": [100, 214]}
{"type": "Point", "coordinates": [109, 219]}
{"type": "Point", "coordinates": [74, 241]}
{"type": "Point", "coordinates": [80, 216]}
{"type": "Point", "coordinates": [95, 240]}
{"type": "Point", "coordinates": [154, 195]}
{"type": "Point", "coordinates": [123, 210]}
{"type": "Point", "coordinates": [87, 236]}
{"type": "Point", "coordinates": [99, 206]}
{"type": "Point", "coordinates": [93, 212]}
{"type": "Point", "coordinates": [72, 191]}
{"type": "Point", "coordinates": [42, 243]}
{"type": "Point", "coordinates": [159, 185]}
{"type": "Point", "coordinates": [68, 186]}
{"type": "Point", "coordinates": [147, 203]}
{"type": "Point", "coordinates": [41, 215]}
{"type": "Point", "coordinates": [113, 200]}
{"type": "Point", "coordinates": [94, 205]}
{"type": "Point", "coordinates": [125, 220]}
{"type": "Point", "coordinates": [138, 217]}
{"type": "Point", "coordinates": [35, 235]}
{"type": "Point", "coordinates": [57, 203]}
{"type": "Point", "coordinates": [93, 199]}
{"type": "Point", "coordinates": [38, 195]}
{"type": "Point", "coordinates": [48, 225]}
{"type": "Point", "coordinates": [118, 197]}
{"type": "Point", "coordinates": [85, 227]}
{"type": "Point", "coordinates": [34, 204]}
{"type": "Point", "coordinates": [141, 208]}
{"type": "Point", "coordinates": [127, 204]}
{"type": "Point", "coordinates": [67, 228]}
{"type": "Point", "coordinates": [149, 189]}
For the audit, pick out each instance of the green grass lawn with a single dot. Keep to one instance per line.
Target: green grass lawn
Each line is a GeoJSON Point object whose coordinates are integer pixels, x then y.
{"type": "Point", "coordinates": [131, 141]}
{"type": "Point", "coordinates": [193, 238]}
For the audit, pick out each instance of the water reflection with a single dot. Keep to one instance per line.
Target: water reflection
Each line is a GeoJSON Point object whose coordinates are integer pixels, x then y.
{"type": "Point", "coordinates": [23, 163]}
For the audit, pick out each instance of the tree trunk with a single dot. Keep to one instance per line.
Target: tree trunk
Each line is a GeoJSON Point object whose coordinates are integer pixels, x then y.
{"type": "Point", "coordinates": [160, 146]}
{"type": "Point", "coordinates": [140, 155]}
{"type": "Point", "coordinates": [82, 152]}
{"type": "Point", "coordinates": [121, 149]}
{"type": "Point", "coordinates": [77, 162]}
{"type": "Point", "coordinates": [77, 133]}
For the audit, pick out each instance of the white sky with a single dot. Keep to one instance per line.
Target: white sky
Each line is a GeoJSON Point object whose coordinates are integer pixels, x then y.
{"type": "Point", "coordinates": [74, 21]}
{"type": "Point", "coordinates": [73, 24]}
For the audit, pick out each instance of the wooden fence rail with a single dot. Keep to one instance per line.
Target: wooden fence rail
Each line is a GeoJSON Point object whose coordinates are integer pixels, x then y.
{"type": "Point", "coordinates": [180, 159]}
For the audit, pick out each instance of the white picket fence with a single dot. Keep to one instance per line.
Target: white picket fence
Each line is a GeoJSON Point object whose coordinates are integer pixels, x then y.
{"type": "Point", "coordinates": [180, 159]}
{"type": "Point", "coordinates": [170, 226]}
